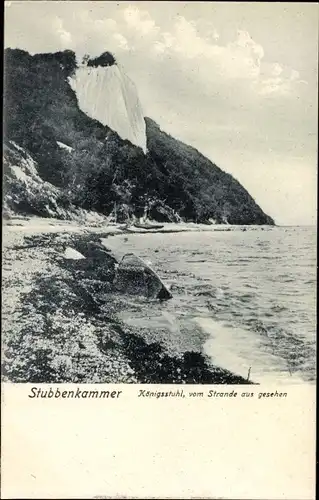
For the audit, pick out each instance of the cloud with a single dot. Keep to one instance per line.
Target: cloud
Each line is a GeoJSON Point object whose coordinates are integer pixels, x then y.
{"type": "Point", "coordinates": [277, 69]}
{"type": "Point", "coordinates": [274, 85]}
{"type": "Point", "coordinates": [104, 25]}
{"type": "Point", "coordinates": [241, 60]}
{"type": "Point", "coordinates": [215, 35]}
{"type": "Point", "coordinates": [64, 36]}
{"type": "Point", "coordinates": [140, 20]}
{"type": "Point", "coordinates": [184, 47]}
{"type": "Point", "coordinates": [279, 81]}
{"type": "Point", "coordinates": [294, 75]}
{"type": "Point", "coordinates": [122, 41]}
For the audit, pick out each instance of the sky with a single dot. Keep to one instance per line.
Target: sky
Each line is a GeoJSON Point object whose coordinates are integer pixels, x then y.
{"type": "Point", "coordinates": [238, 81]}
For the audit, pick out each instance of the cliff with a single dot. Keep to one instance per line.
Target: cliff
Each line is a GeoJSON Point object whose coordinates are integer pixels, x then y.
{"type": "Point", "coordinates": [83, 127]}
{"type": "Point", "coordinates": [93, 82]}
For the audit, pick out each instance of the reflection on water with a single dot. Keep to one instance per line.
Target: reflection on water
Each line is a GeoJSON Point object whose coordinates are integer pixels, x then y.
{"type": "Point", "coordinates": [246, 299]}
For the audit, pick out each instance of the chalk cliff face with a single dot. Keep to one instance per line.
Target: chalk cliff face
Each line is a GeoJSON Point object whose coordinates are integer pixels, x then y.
{"type": "Point", "coordinates": [98, 79]}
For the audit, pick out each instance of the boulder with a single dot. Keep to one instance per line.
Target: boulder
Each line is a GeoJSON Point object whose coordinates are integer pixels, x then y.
{"type": "Point", "coordinates": [99, 253]}
{"type": "Point", "coordinates": [97, 263]}
{"type": "Point", "coordinates": [70, 253]}
{"type": "Point", "coordinates": [134, 277]}
{"type": "Point", "coordinates": [161, 212]}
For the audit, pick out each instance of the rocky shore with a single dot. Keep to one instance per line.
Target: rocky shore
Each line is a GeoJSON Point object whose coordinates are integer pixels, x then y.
{"type": "Point", "coordinates": [63, 292]}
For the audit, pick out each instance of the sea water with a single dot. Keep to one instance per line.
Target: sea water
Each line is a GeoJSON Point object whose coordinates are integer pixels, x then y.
{"type": "Point", "coordinates": [245, 297]}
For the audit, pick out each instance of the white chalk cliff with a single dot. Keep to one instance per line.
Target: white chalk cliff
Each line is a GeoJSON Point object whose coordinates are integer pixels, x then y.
{"type": "Point", "coordinates": [105, 93]}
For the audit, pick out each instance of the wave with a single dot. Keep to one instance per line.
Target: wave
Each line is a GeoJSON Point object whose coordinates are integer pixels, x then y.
{"type": "Point", "coordinates": [240, 351]}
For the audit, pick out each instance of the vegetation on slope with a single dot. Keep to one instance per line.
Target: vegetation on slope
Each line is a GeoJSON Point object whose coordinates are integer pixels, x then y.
{"type": "Point", "coordinates": [103, 171]}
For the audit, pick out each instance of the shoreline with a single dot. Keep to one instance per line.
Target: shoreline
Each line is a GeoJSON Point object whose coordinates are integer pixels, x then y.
{"type": "Point", "coordinates": [39, 224]}
{"type": "Point", "coordinates": [63, 326]}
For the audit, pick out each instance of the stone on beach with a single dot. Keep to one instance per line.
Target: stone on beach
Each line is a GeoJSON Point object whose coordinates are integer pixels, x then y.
{"type": "Point", "coordinates": [99, 253]}
{"type": "Point", "coordinates": [128, 275]}
{"type": "Point", "coordinates": [135, 277]}
{"type": "Point", "coordinates": [70, 253]}
{"type": "Point", "coordinates": [96, 262]}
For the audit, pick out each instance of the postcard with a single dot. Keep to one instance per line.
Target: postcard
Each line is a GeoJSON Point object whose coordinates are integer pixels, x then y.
{"type": "Point", "coordinates": [159, 250]}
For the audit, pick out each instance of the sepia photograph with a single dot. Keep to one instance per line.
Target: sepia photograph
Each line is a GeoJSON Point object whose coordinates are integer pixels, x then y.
{"type": "Point", "coordinates": [159, 199]}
